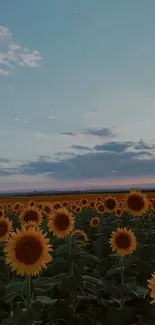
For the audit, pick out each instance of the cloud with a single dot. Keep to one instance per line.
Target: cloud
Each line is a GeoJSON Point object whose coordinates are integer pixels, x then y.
{"type": "Point", "coordinates": [94, 165]}
{"type": "Point", "coordinates": [114, 146]}
{"type": "Point", "coordinates": [102, 132]}
{"type": "Point", "coordinates": [68, 133]}
{"type": "Point", "coordinates": [4, 160]}
{"type": "Point", "coordinates": [142, 145]}
{"type": "Point", "coordinates": [52, 117]}
{"type": "Point", "coordinates": [13, 54]}
{"type": "Point", "coordinates": [79, 147]}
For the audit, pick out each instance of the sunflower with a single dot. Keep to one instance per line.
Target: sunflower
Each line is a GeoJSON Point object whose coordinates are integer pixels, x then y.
{"type": "Point", "coordinates": [81, 233]}
{"type": "Point", "coordinates": [56, 205]}
{"type": "Point", "coordinates": [92, 204]}
{"type": "Point", "coordinates": [73, 206]}
{"type": "Point", "coordinates": [31, 203]}
{"type": "Point", "coordinates": [31, 214]}
{"type": "Point", "coordinates": [1, 213]}
{"type": "Point", "coordinates": [99, 198]}
{"type": "Point", "coordinates": [30, 224]}
{"type": "Point", "coordinates": [61, 222]}
{"type": "Point", "coordinates": [100, 208]}
{"type": "Point", "coordinates": [5, 228]}
{"type": "Point", "coordinates": [65, 204]}
{"type": "Point", "coordinates": [84, 202]}
{"type": "Point", "coordinates": [17, 206]}
{"type": "Point", "coordinates": [47, 208]}
{"type": "Point", "coordinates": [136, 203]}
{"type": "Point", "coordinates": [28, 251]}
{"type": "Point", "coordinates": [151, 285]}
{"type": "Point", "coordinates": [110, 204]}
{"type": "Point", "coordinates": [94, 222]}
{"type": "Point", "coordinates": [78, 209]}
{"type": "Point", "coordinates": [8, 207]}
{"type": "Point", "coordinates": [123, 241]}
{"type": "Point", "coordinates": [119, 212]}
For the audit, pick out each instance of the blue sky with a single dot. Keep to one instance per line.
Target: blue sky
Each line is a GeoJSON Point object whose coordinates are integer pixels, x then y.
{"type": "Point", "coordinates": [77, 100]}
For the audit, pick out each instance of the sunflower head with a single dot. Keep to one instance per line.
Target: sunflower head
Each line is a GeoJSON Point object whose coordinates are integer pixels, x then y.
{"type": "Point", "coordinates": [65, 204]}
{"type": "Point", "coordinates": [84, 202]}
{"type": "Point", "coordinates": [73, 207]}
{"type": "Point", "coordinates": [5, 229]}
{"type": "Point", "coordinates": [61, 223]}
{"type": "Point", "coordinates": [47, 208]}
{"type": "Point", "coordinates": [92, 204]}
{"type": "Point", "coordinates": [80, 233]}
{"type": "Point", "coordinates": [30, 224]}
{"type": "Point", "coordinates": [151, 286]}
{"type": "Point", "coordinates": [78, 209]}
{"type": "Point", "coordinates": [98, 198]}
{"type": "Point", "coordinates": [136, 203]}
{"type": "Point", "coordinates": [100, 208]}
{"type": "Point", "coordinates": [123, 241]}
{"type": "Point", "coordinates": [17, 206]}
{"type": "Point", "coordinates": [119, 212]}
{"type": "Point", "coordinates": [8, 207]}
{"type": "Point", "coordinates": [56, 205]}
{"type": "Point", "coordinates": [94, 222]}
{"type": "Point", "coordinates": [1, 213]}
{"type": "Point", "coordinates": [110, 204]}
{"type": "Point", "coordinates": [31, 203]}
{"type": "Point", "coordinates": [31, 214]}
{"type": "Point", "coordinates": [28, 251]}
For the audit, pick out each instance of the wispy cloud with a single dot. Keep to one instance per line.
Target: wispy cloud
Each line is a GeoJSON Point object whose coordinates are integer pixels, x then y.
{"type": "Point", "coordinates": [101, 132]}
{"type": "Point", "coordinates": [13, 54]}
{"type": "Point", "coordinates": [52, 117]}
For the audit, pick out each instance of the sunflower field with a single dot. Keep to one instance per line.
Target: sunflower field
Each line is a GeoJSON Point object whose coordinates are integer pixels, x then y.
{"type": "Point", "coordinates": [78, 262]}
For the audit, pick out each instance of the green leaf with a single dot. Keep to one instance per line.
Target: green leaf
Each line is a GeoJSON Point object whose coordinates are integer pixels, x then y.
{"type": "Point", "coordinates": [46, 300]}
{"type": "Point", "coordinates": [45, 284]}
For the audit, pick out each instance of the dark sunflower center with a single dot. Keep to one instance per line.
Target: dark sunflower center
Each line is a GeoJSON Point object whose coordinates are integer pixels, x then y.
{"type": "Point", "coordinates": [95, 221]}
{"type": "Point", "coordinates": [101, 207]}
{"type": "Point", "coordinates": [3, 228]}
{"type": "Point", "coordinates": [119, 211]}
{"type": "Point", "coordinates": [1, 213]}
{"type": "Point", "coordinates": [77, 209]}
{"type": "Point", "coordinates": [123, 241]}
{"type": "Point", "coordinates": [57, 206]}
{"type": "Point", "coordinates": [31, 215]}
{"type": "Point", "coordinates": [73, 206]}
{"type": "Point", "coordinates": [92, 204]}
{"type": "Point", "coordinates": [84, 201]}
{"type": "Point", "coordinates": [28, 250]}
{"type": "Point", "coordinates": [135, 202]}
{"type": "Point", "coordinates": [47, 209]}
{"type": "Point", "coordinates": [65, 204]}
{"type": "Point", "coordinates": [62, 221]}
{"type": "Point", "coordinates": [110, 204]}
{"type": "Point", "coordinates": [17, 206]}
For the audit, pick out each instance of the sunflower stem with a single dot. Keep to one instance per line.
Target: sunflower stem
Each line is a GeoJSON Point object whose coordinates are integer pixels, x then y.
{"type": "Point", "coordinates": [71, 273]}
{"type": "Point", "coordinates": [29, 292]}
{"type": "Point", "coordinates": [122, 281]}
{"type": "Point", "coordinates": [137, 235]}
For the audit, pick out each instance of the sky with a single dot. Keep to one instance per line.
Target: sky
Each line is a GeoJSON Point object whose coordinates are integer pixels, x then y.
{"type": "Point", "coordinates": [77, 94]}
